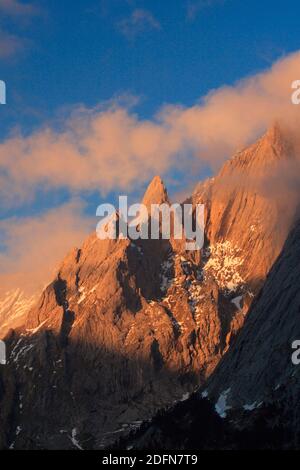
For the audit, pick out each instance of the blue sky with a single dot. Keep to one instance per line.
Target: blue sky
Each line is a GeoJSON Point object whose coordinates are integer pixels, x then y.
{"type": "Point", "coordinates": [163, 52]}
{"type": "Point", "coordinates": [78, 52]}
{"type": "Point", "coordinates": [59, 56]}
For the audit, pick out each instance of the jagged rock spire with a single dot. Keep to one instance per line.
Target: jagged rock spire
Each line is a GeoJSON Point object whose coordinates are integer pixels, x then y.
{"type": "Point", "coordinates": [156, 193]}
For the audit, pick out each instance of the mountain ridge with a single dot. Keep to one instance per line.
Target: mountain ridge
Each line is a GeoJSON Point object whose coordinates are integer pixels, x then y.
{"type": "Point", "coordinates": [128, 327]}
{"type": "Point", "coordinates": [251, 401]}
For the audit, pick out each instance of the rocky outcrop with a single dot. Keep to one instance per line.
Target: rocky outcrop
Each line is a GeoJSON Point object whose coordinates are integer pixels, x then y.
{"type": "Point", "coordinates": [243, 209]}
{"type": "Point", "coordinates": [14, 306]}
{"type": "Point", "coordinates": [252, 398]}
{"type": "Point", "coordinates": [128, 327]}
{"type": "Point", "coordinates": [259, 369]}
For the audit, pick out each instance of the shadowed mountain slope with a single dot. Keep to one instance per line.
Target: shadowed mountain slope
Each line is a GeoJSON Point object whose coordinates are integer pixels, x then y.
{"type": "Point", "coordinates": [129, 327]}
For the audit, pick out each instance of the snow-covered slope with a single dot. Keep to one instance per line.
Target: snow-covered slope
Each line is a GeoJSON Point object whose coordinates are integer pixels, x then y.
{"type": "Point", "coordinates": [14, 306]}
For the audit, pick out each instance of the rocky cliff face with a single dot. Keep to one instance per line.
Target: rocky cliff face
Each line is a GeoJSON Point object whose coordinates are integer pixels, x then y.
{"type": "Point", "coordinates": [243, 210]}
{"type": "Point", "coordinates": [259, 369]}
{"type": "Point", "coordinates": [14, 306]}
{"type": "Point", "coordinates": [252, 398]}
{"type": "Point", "coordinates": [128, 327]}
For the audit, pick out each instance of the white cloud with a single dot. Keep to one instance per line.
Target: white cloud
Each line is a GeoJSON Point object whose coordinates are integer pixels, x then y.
{"type": "Point", "coordinates": [139, 22]}
{"type": "Point", "coordinates": [34, 245]}
{"type": "Point", "coordinates": [111, 148]}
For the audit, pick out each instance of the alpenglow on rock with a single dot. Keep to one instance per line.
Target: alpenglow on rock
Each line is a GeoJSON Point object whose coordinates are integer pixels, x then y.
{"type": "Point", "coordinates": [129, 327]}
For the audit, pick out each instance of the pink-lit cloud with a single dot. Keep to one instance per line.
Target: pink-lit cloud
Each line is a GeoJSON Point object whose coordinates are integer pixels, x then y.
{"type": "Point", "coordinates": [112, 149]}
{"type": "Point", "coordinates": [35, 245]}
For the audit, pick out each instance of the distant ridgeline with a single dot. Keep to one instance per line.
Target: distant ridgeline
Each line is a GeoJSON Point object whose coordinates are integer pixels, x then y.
{"type": "Point", "coordinates": [2, 92]}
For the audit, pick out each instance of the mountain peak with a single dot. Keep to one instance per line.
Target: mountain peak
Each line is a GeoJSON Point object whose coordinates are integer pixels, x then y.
{"type": "Point", "coordinates": [274, 132]}
{"type": "Point", "coordinates": [156, 193]}
{"type": "Point", "coordinates": [275, 146]}
{"type": "Point", "coordinates": [278, 137]}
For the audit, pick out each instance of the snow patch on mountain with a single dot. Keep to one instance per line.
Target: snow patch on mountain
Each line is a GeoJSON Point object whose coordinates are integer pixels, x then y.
{"type": "Point", "coordinates": [221, 406]}
{"type": "Point", "coordinates": [74, 439]}
{"type": "Point", "coordinates": [252, 406]}
{"type": "Point", "coordinates": [13, 307]}
{"type": "Point", "coordinates": [237, 301]}
{"type": "Point", "coordinates": [223, 265]}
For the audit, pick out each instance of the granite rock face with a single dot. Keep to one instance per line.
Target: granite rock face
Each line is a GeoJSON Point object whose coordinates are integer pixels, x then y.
{"type": "Point", "coordinates": [14, 306]}
{"type": "Point", "coordinates": [128, 327]}
{"type": "Point", "coordinates": [260, 368]}
{"type": "Point", "coordinates": [252, 398]}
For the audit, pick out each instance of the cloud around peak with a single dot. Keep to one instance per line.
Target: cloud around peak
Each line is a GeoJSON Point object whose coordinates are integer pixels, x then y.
{"type": "Point", "coordinates": [111, 148]}
{"type": "Point", "coordinates": [38, 243]}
